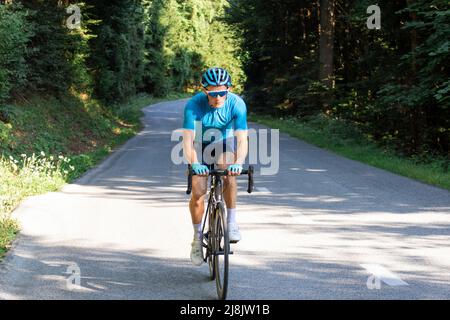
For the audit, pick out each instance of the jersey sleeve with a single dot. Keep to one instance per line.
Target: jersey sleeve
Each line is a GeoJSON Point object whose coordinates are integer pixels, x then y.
{"type": "Point", "coordinates": [189, 116]}
{"type": "Point", "coordinates": [240, 115]}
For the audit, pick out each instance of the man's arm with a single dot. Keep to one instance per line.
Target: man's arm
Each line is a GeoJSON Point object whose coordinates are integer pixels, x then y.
{"type": "Point", "coordinates": [188, 146]}
{"type": "Point", "coordinates": [242, 146]}
{"type": "Point", "coordinates": [240, 132]}
{"type": "Point", "coordinates": [189, 133]}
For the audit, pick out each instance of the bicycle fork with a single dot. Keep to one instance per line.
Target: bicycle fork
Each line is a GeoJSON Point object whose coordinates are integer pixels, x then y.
{"type": "Point", "coordinates": [215, 197]}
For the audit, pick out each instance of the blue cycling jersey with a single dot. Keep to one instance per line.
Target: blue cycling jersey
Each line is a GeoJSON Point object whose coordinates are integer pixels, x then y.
{"type": "Point", "coordinates": [200, 117]}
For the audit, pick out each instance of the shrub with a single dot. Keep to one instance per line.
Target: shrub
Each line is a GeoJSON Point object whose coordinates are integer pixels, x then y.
{"type": "Point", "coordinates": [15, 32]}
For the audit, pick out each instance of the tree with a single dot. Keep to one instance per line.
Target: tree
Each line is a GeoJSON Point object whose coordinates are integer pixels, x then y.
{"type": "Point", "coordinates": [15, 34]}
{"type": "Point", "coordinates": [326, 32]}
{"type": "Point", "coordinates": [391, 83]}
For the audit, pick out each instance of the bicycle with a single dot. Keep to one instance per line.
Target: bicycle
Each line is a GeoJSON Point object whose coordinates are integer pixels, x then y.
{"type": "Point", "coordinates": [215, 242]}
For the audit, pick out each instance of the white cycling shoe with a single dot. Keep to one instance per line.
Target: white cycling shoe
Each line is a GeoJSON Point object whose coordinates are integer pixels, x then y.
{"type": "Point", "coordinates": [234, 233]}
{"type": "Point", "coordinates": [196, 253]}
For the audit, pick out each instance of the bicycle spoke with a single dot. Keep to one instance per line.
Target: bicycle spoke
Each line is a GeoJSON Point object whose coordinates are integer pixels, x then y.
{"type": "Point", "coordinates": [210, 248]}
{"type": "Point", "coordinates": [222, 251]}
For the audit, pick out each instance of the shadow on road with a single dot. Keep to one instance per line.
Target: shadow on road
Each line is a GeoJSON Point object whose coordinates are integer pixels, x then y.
{"type": "Point", "coordinates": [343, 201]}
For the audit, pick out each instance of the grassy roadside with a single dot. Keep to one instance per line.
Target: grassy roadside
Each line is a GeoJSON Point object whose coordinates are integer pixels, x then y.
{"type": "Point", "coordinates": [47, 142]}
{"type": "Point", "coordinates": [348, 142]}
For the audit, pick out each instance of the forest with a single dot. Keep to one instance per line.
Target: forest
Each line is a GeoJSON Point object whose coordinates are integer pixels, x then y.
{"type": "Point", "coordinates": [288, 58]}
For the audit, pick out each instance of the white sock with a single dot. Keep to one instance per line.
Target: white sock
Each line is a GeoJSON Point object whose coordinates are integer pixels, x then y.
{"type": "Point", "coordinates": [231, 215]}
{"type": "Point", "coordinates": [197, 231]}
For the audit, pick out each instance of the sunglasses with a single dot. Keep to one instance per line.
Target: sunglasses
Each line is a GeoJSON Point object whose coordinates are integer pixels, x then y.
{"type": "Point", "coordinates": [215, 94]}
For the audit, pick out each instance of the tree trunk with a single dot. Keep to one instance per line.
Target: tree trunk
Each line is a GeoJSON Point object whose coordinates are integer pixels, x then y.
{"type": "Point", "coordinates": [326, 56]}
{"type": "Point", "coordinates": [418, 116]}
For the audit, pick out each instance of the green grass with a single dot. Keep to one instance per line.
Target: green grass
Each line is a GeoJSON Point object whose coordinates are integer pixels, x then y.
{"type": "Point", "coordinates": [48, 142]}
{"type": "Point", "coordinates": [8, 231]}
{"type": "Point", "coordinates": [345, 140]}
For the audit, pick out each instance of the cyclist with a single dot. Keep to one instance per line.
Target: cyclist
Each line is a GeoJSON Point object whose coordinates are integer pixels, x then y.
{"type": "Point", "coordinates": [226, 113]}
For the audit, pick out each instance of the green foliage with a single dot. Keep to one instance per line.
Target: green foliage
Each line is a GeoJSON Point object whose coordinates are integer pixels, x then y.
{"type": "Point", "coordinates": [8, 230]}
{"type": "Point", "coordinates": [55, 56]}
{"type": "Point", "coordinates": [29, 175]}
{"type": "Point", "coordinates": [391, 83]}
{"type": "Point", "coordinates": [419, 92]}
{"type": "Point", "coordinates": [5, 133]}
{"type": "Point", "coordinates": [183, 38]}
{"type": "Point", "coordinates": [117, 51]}
{"type": "Point", "coordinates": [14, 35]}
{"type": "Point", "coordinates": [122, 47]}
{"type": "Point", "coordinates": [279, 49]}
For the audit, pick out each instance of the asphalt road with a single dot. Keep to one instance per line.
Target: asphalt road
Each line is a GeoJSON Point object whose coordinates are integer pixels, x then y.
{"type": "Point", "coordinates": [324, 227]}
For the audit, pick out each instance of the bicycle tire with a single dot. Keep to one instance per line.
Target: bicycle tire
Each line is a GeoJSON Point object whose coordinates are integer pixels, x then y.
{"type": "Point", "coordinates": [210, 248]}
{"type": "Point", "coordinates": [221, 251]}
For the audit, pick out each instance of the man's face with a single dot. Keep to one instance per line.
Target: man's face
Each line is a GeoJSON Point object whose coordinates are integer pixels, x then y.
{"type": "Point", "coordinates": [218, 101]}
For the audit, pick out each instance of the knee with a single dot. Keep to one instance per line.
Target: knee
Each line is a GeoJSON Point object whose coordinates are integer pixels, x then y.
{"type": "Point", "coordinates": [230, 182]}
{"type": "Point", "coordinates": [198, 195]}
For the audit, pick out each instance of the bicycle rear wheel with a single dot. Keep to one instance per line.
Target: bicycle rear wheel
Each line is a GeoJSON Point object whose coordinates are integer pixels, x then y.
{"type": "Point", "coordinates": [221, 251]}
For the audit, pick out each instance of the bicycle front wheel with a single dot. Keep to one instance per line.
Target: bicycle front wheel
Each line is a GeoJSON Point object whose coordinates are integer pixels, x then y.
{"type": "Point", "coordinates": [210, 246]}
{"type": "Point", "coordinates": [221, 251]}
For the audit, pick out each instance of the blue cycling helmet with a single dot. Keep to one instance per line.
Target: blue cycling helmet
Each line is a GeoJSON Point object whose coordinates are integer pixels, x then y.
{"type": "Point", "coordinates": [216, 77]}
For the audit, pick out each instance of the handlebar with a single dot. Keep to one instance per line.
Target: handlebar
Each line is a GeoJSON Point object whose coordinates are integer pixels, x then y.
{"type": "Point", "coordinates": [221, 173]}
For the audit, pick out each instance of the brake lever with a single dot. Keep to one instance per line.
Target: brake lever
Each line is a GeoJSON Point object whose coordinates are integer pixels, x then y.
{"type": "Point", "coordinates": [189, 187]}
{"type": "Point", "coordinates": [250, 179]}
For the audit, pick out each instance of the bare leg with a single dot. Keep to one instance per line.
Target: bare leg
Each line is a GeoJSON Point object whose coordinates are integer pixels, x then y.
{"type": "Point", "coordinates": [197, 202]}
{"type": "Point", "coordinates": [229, 183]}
